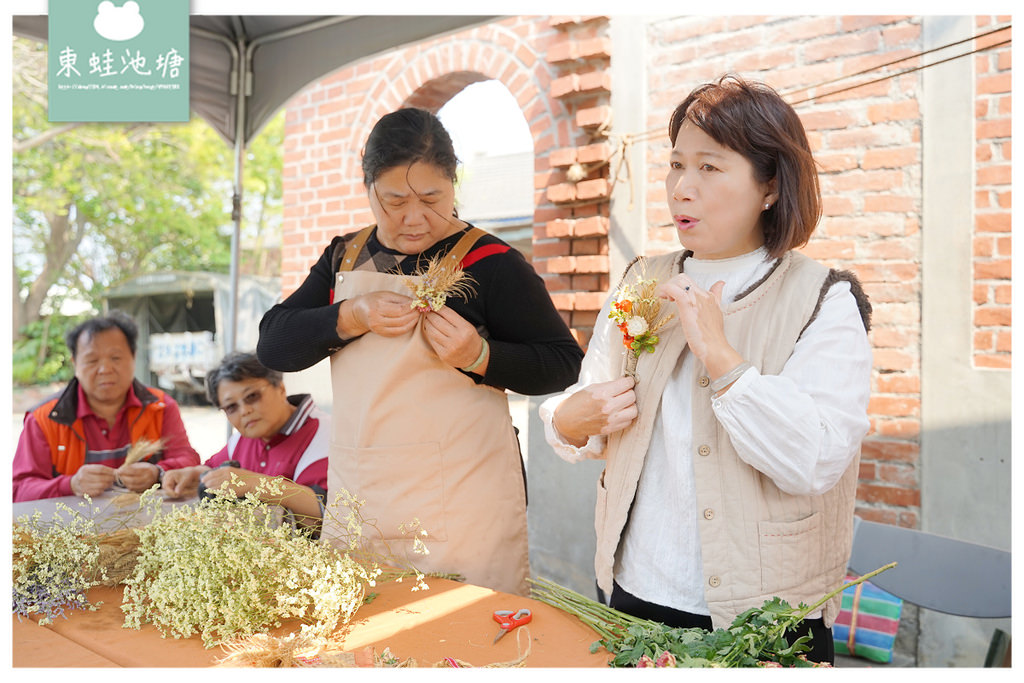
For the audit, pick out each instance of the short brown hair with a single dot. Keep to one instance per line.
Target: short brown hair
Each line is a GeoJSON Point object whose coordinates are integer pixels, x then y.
{"type": "Point", "coordinates": [753, 120]}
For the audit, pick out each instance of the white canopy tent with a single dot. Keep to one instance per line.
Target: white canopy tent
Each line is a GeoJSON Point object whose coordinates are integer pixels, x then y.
{"type": "Point", "coordinates": [242, 69]}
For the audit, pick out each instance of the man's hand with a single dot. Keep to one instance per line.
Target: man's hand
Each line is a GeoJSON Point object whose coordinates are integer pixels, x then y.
{"type": "Point", "coordinates": [138, 476]}
{"type": "Point", "coordinates": [184, 479]}
{"type": "Point", "coordinates": [92, 480]}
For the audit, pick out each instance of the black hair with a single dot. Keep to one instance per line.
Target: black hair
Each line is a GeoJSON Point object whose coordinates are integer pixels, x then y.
{"type": "Point", "coordinates": [239, 366]}
{"type": "Point", "coordinates": [404, 137]}
{"type": "Point", "coordinates": [113, 320]}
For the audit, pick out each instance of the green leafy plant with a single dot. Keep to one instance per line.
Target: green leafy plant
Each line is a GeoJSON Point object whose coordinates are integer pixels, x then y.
{"type": "Point", "coordinates": [755, 638]}
{"type": "Point", "coordinates": [40, 354]}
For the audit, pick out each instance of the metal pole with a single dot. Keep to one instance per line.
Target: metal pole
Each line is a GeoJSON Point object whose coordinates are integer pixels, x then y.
{"type": "Point", "coordinates": [241, 80]}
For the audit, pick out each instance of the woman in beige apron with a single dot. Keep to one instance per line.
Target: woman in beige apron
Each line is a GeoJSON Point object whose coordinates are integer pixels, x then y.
{"type": "Point", "coordinates": [421, 429]}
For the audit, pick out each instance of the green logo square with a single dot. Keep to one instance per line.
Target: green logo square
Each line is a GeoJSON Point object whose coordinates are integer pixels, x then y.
{"type": "Point", "coordinates": [118, 61]}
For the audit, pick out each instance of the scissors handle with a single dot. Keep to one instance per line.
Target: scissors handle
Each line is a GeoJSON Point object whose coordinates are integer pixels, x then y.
{"type": "Point", "coordinates": [509, 620]}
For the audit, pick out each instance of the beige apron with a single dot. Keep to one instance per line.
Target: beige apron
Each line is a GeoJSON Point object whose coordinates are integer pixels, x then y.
{"type": "Point", "coordinates": [417, 440]}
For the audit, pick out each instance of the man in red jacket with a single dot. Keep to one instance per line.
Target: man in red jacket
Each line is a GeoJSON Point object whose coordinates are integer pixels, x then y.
{"type": "Point", "coordinates": [75, 442]}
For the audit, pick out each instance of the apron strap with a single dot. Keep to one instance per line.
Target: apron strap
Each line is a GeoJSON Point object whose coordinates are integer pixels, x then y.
{"type": "Point", "coordinates": [463, 246]}
{"type": "Point", "coordinates": [458, 252]}
{"type": "Point", "coordinates": [348, 260]}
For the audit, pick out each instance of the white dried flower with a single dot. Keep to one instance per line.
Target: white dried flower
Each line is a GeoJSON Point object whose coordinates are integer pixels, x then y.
{"type": "Point", "coordinates": [636, 326]}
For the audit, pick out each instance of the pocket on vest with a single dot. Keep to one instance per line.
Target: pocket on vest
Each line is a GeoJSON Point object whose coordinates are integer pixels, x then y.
{"type": "Point", "coordinates": [791, 552]}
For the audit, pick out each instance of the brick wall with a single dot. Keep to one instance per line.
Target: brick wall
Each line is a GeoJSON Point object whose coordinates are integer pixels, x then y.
{"type": "Point", "coordinates": [327, 124]}
{"type": "Point", "coordinates": [571, 234]}
{"type": "Point", "coordinates": [992, 198]}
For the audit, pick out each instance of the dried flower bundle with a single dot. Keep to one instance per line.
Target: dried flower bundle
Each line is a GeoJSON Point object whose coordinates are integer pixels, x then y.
{"type": "Point", "coordinates": [224, 569]}
{"type": "Point", "coordinates": [440, 279]}
{"type": "Point", "coordinates": [637, 313]}
{"type": "Point", "coordinates": [119, 551]}
{"type": "Point", "coordinates": [54, 564]}
{"type": "Point", "coordinates": [294, 650]}
{"type": "Point", "coordinates": [142, 449]}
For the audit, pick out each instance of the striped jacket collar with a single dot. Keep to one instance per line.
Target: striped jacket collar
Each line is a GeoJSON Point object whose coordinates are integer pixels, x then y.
{"type": "Point", "coordinates": [303, 408]}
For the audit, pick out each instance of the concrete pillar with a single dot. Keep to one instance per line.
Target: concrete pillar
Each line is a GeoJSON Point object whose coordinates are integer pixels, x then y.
{"type": "Point", "coordinates": [562, 496]}
{"type": "Point", "coordinates": [965, 411]}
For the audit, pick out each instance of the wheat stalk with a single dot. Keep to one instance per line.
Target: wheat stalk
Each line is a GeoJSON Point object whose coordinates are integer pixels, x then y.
{"type": "Point", "coordinates": [142, 449]}
{"type": "Point", "coordinates": [440, 279]}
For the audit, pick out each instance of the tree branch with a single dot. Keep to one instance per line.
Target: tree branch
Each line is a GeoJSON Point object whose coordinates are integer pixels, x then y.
{"type": "Point", "coordinates": [20, 146]}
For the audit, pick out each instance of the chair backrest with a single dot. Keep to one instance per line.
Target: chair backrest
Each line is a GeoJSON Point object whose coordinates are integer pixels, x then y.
{"type": "Point", "coordinates": [932, 571]}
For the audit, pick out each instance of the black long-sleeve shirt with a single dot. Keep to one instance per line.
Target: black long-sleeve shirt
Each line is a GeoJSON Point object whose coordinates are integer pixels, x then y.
{"type": "Point", "coordinates": [532, 351]}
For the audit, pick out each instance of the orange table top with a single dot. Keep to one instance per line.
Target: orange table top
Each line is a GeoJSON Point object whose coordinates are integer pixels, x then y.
{"type": "Point", "coordinates": [450, 620]}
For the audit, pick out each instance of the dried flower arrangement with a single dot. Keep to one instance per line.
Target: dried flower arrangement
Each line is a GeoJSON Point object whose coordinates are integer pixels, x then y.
{"type": "Point", "coordinates": [637, 313]}
{"type": "Point", "coordinates": [142, 449]}
{"type": "Point", "coordinates": [224, 568]}
{"type": "Point", "coordinates": [432, 285]}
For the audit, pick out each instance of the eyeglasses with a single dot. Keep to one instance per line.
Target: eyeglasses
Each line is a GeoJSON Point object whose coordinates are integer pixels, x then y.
{"type": "Point", "coordinates": [252, 398]}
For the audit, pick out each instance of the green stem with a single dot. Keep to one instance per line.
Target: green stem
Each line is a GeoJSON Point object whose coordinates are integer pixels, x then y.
{"type": "Point", "coordinates": [839, 590]}
{"type": "Point", "coordinates": [796, 618]}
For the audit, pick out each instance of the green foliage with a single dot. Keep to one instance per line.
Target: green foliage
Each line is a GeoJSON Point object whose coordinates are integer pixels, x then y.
{"type": "Point", "coordinates": [97, 203]}
{"type": "Point", "coordinates": [40, 354]}
{"type": "Point", "coordinates": [754, 638]}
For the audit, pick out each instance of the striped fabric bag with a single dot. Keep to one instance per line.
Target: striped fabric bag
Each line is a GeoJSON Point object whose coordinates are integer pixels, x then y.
{"type": "Point", "coordinates": [867, 622]}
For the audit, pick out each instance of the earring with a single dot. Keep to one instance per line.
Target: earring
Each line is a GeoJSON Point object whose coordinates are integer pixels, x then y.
{"type": "Point", "coordinates": [767, 206]}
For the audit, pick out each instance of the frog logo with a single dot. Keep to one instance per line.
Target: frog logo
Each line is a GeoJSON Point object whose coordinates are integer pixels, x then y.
{"type": "Point", "coordinates": [118, 23]}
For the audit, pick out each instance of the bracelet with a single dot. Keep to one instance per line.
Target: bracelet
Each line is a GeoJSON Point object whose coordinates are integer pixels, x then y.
{"type": "Point", "coordinates": [479, 359]}
{"type": "Point", "coordinates": [729, 377]}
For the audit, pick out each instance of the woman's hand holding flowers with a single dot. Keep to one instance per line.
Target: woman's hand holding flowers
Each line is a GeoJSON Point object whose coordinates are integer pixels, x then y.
{"type": "Point", "coordinates": [454, 340]}
{"type": "Point", "coordinates": [603, 408]}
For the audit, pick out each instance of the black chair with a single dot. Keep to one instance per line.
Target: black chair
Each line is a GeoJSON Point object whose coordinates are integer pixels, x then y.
{"type": "Point", "coordinates": [938, 573]}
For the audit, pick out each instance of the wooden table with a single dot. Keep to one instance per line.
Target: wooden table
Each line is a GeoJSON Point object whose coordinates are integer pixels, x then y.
{"type": "Point", "coordinates": [449, 620]}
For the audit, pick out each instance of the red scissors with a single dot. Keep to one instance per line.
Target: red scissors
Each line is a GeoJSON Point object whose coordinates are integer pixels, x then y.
{"type": "Point", "coordinates": [508, 620]}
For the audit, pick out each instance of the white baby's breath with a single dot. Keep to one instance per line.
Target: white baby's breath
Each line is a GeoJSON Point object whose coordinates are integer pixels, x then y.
{"type": "Point", "coordinates": [225, 570]}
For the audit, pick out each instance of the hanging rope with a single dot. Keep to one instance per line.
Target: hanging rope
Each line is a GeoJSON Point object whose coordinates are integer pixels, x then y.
{"type": "Point", "coordinates": [625, 141]}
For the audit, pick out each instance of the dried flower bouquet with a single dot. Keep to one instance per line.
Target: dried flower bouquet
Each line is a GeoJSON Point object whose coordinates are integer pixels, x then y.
{"type": "Point", "coordinates": [637, 313]}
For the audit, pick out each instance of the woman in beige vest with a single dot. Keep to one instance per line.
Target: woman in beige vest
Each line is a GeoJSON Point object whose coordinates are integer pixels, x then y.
{"type": "Point", "coordinates": [421, 427]}
{"type": "Point", "coordinates": [732, 459]}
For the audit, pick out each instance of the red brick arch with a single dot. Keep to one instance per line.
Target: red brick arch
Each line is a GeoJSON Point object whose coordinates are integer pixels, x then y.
{"type": "Point", "coordinates": [329, 121]}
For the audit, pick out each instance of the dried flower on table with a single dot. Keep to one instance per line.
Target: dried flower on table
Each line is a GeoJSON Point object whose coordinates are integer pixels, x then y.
{"type": "Point", "coordinates": [54, 564]}
{"type": "Point", "coordinates": [225, 569]}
